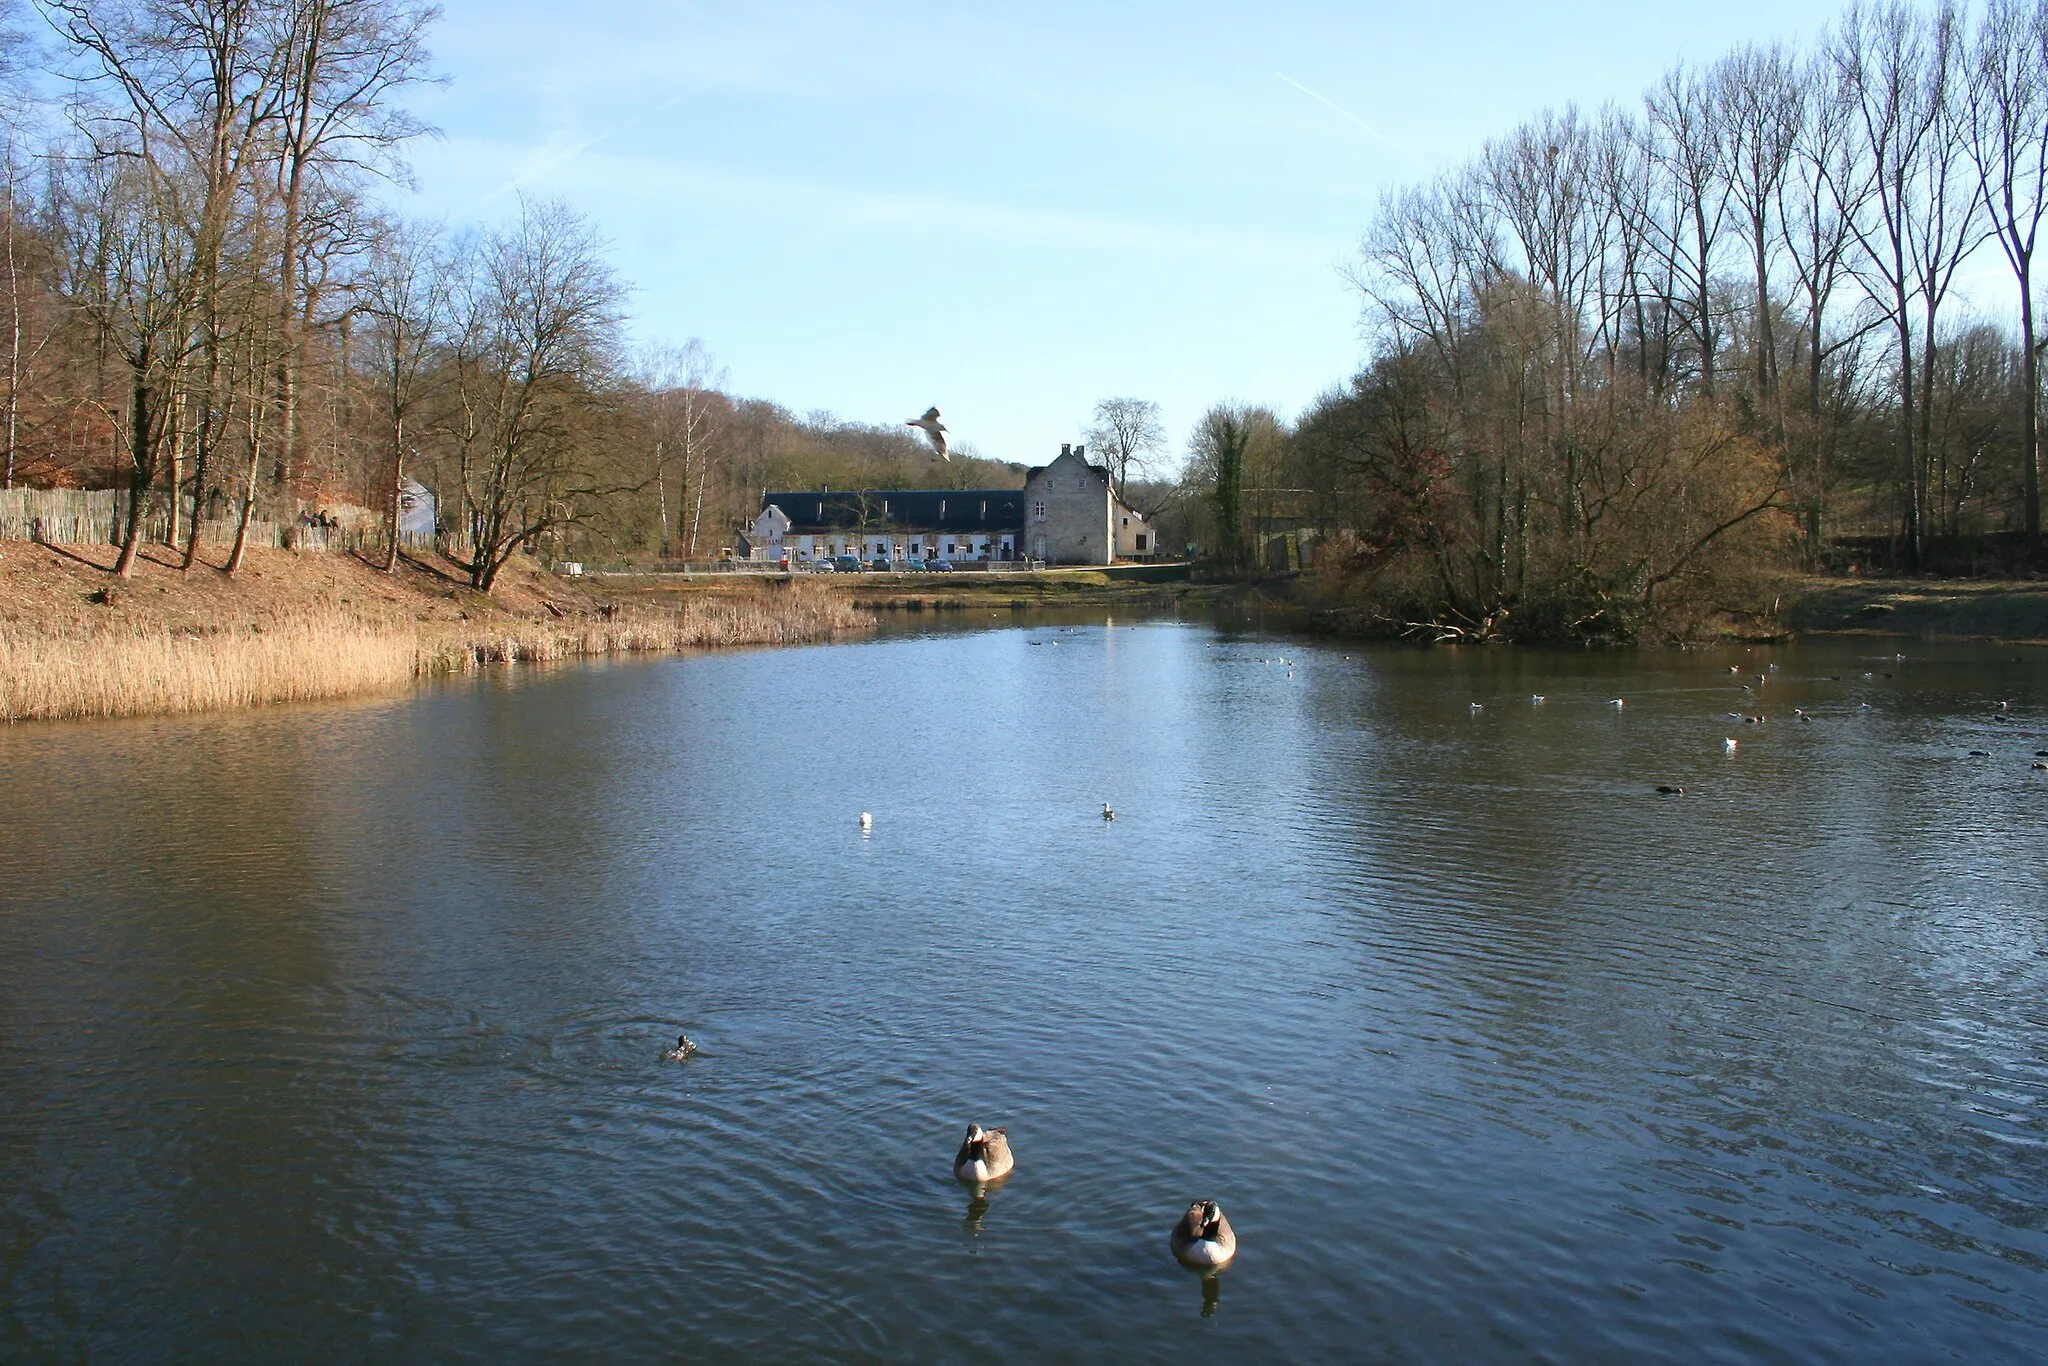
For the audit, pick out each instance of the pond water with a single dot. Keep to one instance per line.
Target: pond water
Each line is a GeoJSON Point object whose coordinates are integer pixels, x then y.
{"type": "Point", "coordinates": [335, 1032]}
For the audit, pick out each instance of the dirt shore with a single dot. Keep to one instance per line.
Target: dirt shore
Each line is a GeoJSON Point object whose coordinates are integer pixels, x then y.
{"type": "Point", "coordinates": [1953, 609]}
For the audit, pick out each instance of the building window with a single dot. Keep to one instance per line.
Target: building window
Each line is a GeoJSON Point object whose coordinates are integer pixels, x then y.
{"type": "Point", "coordinates": [1038, 512]}
{"type": "Point", "coordinates": [1141, 542]}
{"type": "Point", "coordinates": [1127, 521]}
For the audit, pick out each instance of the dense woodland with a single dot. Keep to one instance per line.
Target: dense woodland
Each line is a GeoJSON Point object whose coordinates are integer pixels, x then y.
{"type": "Point", "coordinates": [1621, 364]}
{"type": "Point", "coordinates": [1624, 361]}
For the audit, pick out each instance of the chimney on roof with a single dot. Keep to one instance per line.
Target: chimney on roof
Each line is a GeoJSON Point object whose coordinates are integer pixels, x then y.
{"type": "Point", "coordinates": [1066, 448]}
{"type": "Point", "coordinates": [1080, 452]}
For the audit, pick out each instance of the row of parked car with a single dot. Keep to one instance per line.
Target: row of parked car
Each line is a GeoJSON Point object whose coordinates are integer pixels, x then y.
{"type": "Point", "coordinates": [853, 564]}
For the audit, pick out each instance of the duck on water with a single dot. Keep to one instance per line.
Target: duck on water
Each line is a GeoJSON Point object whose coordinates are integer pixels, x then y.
{"type": "Point", "coordinates": [1203, 1238]}
{"type": "Point", "coordinates": [984, 1156]}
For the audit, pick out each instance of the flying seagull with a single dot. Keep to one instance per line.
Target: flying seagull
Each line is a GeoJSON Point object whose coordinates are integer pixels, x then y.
{"type": "Point", "coordinates": [934, 430]}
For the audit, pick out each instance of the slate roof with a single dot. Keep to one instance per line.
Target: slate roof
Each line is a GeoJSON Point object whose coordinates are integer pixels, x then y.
{"type": "Point", "coordinates": [970, 510]}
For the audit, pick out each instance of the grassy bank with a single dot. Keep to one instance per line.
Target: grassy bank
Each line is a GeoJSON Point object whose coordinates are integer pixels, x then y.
{"type": "Point", "coordinates": [75, 642]}
{"type": "Point", "coordinates": [1156, 585]}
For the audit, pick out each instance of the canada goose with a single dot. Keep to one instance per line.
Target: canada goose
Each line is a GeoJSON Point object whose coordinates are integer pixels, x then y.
{"type": "Point", "coordinates": [1203, 1237]}
{"type": "Point", "coordinates": [2038, 764]}
{"type": "Point", "coordinates": [1108, 812]}
{"type": "Point", "coordinates": [1667, 790]}
{"type": "Point", "coordinates": [933, 429]}
{"type": "Point", "coordinates": [985, 1156]}
{"type": "Point", "coordinates": [682, 1051]}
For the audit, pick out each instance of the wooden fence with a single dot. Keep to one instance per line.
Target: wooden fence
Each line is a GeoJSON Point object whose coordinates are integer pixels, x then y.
{"type": "Point", "coordinates": [100, 516]}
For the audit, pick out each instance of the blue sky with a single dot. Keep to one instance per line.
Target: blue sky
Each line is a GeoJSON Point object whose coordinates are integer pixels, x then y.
{"type": "Point", "coordinates": [1010, 210]}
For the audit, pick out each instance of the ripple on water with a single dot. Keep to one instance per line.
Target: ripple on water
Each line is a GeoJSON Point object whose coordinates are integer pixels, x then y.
{"type": "Point", "coordinates": [1489, 1052]}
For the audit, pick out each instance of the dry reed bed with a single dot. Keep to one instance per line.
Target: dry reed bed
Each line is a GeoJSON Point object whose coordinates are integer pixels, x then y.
{"type": "Point", "coordinates": [135, 668]}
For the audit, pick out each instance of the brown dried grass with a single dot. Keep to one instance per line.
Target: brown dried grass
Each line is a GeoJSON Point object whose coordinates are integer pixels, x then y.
{"type": "Point", "coordinates": [84, 669]}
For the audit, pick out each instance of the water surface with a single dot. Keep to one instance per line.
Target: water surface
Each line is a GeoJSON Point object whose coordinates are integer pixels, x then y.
{"type": "Point", "coordinates": [333, 1033]}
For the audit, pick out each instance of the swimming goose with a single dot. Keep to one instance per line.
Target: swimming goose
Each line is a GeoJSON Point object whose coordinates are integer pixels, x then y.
{"type": "Point", "coordinates": [682, 1051]}
{"type": "Point", "coordinates": [985, 1156]}
{"type": "Point", "coordinates": [2038, 764]}
{"type": "Point", "coordinates": [1203, 1237]}
{"type": "Point", "coordinates": [1667, 790]}
{"type": "Point", "coordinates": [1108, 812]}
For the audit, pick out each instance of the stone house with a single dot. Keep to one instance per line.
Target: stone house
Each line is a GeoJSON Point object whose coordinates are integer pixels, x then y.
{"type": "Point", "coordinates": [962, 525]}
{"type": "Point", "coordinates": [1066, 513]}
{"type": "Point", "coordinates": [1073, 515]}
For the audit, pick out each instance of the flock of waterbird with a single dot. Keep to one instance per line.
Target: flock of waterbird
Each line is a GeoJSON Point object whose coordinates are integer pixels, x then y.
{"type": "Point", "coordinates": [1204, 1239]}
{"type": "Point", "coordinates": [1729, 745]}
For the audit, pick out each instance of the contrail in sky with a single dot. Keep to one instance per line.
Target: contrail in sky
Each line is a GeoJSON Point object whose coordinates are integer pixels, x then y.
{"type": "Point", "coordinates": [568, 152]}
{"type": "Point", "coordinates": [1332, 104]}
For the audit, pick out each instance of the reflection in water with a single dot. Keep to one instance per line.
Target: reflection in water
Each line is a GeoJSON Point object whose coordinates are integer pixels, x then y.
{"type": "Point", "coordinates": [343, 1025]}
{"type": "Point", "coordinates": [1212, 1293]}
{"type": "Point", "coordinates": [977, 1207]}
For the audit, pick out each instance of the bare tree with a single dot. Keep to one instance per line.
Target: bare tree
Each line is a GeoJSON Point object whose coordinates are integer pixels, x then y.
{"type": "Point", "coordinates": [2008, 83]}
{"type": "Point", "coordinates": [404, 295]}
{"type": "Point", "coordinates": [683, 384]}
{"type": "Point", "coordinates": [537, 321]}
{"type": "Point", "coordinates": [1760, 110]}
{"type": "Point", "coordinates": [1688, 147]}
{"type": "Point", "coordinates": [130, 272]}
{"type": "Point", "coordinates": [1127, 433]}
{"type": "Point", "coordinates": [342, 62]}
{"type": "Point", "coordinates": [1895, 90]}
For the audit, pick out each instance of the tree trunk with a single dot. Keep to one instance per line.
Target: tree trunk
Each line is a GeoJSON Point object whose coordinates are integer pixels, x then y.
{"type": "Point", "coordinates": [141, 475]}
{"type": "Point", "coordinates": [249, 484]}
{"type": "Point", "coordinates": [177, 407]}
{"type": "Point", "coordinates": [2030, 438]}
{"type": "Point", "coordinates": [397, 490]}
{"type": "Point", "coordinates": [13, 328]}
